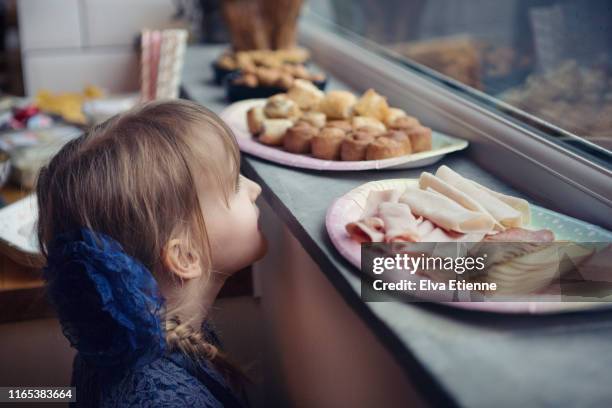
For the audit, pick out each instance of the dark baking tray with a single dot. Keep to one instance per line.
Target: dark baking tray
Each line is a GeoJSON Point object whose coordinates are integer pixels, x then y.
{"type": "Point", "coordinates": [220, 73]}
{"type": "Point", "coordinates": [240, 92]}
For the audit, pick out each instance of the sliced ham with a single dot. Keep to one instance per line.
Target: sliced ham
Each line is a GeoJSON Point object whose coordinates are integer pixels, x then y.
{"type": "Point", "coordinates": [519, 204]}
{"type": "Point", "coordinates": [425, 227]}
{"type": "Point", "coordinates": [400, 224]}
{"type": "Point", "coordinates": [375, 198]}
{"type": "Point", "coordinates": [499, 209]}
{"type": "Point", "coordinates": [370, 229]}
{"type": "Point", "coordinates": [429, 181]}
{"type": "Point", "coordinates": [445, 212]}
{"type": "Point", "coordinates": [446, 207]}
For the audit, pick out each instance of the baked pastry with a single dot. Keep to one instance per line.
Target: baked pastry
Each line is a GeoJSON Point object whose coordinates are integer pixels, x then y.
{"type": "Point", "coordinates": [355, 145]}
{"type": "Point", "coordinates": [279, 106]}
{"type": "Point", "coordinates": [420, 137]}
{"type": "Point", "coordinates": [393, 114]}
{"type": "Point", "coordinates": [267, 76]}
{"type": "Point", "coordinates": [280, 76]}
{"type": "Point", "coordinates": [402, 138]}
{"type": "Point", "coordinates": [384, 148]}
{"type": "Point", "coordinates": [372, 131]}
{"type": "Point", "coordinates": [345, 125]}
{"type": "Point", "coordinates": [316, 119]}
{"type": "Point", "coordinates": [338, 104]}
{"type": "Point", "coordinates": [367, 122]}
{"type": "Point", "coordinates": [327, 144]}
{"type": "Point", "coordinates": [298, 138]}
{"type": "Point", "coordinates": [373, 105]}
{"type": "Point", "coordinates": [285, 81]}
{"type": "Point", "coordinates": [404, 123]}
{"type": "Point", "coordinates": [305, 94]}
{"type": "Point", "coordinates": [255, 118]}
{"type": "Point", "coordinates": [273, 131]}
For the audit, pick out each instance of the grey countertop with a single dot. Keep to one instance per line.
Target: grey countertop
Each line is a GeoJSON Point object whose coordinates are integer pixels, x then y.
{"type": "Point", "coordinates": [468, 358]}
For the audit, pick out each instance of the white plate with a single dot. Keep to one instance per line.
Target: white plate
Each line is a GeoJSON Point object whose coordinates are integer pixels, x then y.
{"type": "Point", "coordinates": [18, 232]}
{"type": "Point", "coordinates": [350, 206]}
{"type": "Point", "coordinates": [235, 116]}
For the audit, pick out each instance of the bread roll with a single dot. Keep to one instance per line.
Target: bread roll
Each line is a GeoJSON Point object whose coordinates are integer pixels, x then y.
{"type": "Point", "coordinates": [393, 114]}
{"type": "Point", "coordinates": [285, 81]}
{"type": "Point", "coordinates": [327, 144]}
{"type": "Point", "coordinates": [367, 122]}
{"type": "Point", "coordinates": [370, 130]}
{"type": "Point", "coordinates": [273, 131]}
{"type": "Point", "coordinates": [267, 76]}
{"type": "Point", "coordinates": [373, 105]}
{"type": "Point", "coordinates": [384, 148]}
{"type": "Point", "coordinates": [420, 137]}
{"type": "Point", "coordinates": [316, 119]}
{"type": "Point", "coordinates": [400, 137]}
{"type": "Point", "coordinates": [338, 104]}
{"type": "Point", "coordinates": [255, 118]}
{"type": "Point", "coordinates": [280, 106]}
{"type": "Point", "coordinates": [305, 94]}
{"type": "Point", "coordinates": [355, 145]}
{"type": "Point", "coordinates": [404, 123]}
{"type": "Point", "coordinates": [345, 125]}
{"type": "Point", "coordinates": [298, 138]}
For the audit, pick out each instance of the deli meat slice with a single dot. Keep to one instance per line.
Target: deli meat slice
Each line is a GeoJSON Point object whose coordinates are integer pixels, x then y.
{"type": "Point", "coordinates": [444, 212]}
{"type": "Point", "coordinates": [429, 181]}
{"type": "Point", "coordinates": [519, 204]}
{"type": "Point", "coordinates": [375, 198]}
{"type": "Point", "coordinates": [425, 227]}
{"type": "Point", "coordinates": [522, 235]}
{"type": "Point", "coordinates": [369, 229]}
{"type": "Point", "coordinates": [400, 224]}
{"type": "Point", "coordinates": [504, 213]}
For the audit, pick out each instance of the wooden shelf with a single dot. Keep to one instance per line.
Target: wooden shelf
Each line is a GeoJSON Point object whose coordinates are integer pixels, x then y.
{"type": "Point", "coordinates": [11, 193]}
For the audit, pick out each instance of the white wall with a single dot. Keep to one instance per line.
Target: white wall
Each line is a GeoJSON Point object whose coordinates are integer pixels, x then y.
{"type": "Point", "coordinates": [68, 44]}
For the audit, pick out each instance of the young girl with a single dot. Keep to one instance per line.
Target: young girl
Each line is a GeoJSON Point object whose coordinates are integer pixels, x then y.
{"type": "Point", "coordinates": [141, 220]}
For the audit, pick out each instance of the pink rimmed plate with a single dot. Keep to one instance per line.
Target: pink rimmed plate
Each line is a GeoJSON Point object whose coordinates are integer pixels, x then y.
{"type": "Point", "coordinates": [350, 206]}
{"type": "Point", "coordinates": [235, 116]}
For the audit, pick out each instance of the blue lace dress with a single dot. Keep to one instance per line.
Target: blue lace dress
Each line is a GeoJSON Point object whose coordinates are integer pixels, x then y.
{"type": "Point", "coordinates": [172, 380]}
{"type": "Point", "coordinates": [110, 308]}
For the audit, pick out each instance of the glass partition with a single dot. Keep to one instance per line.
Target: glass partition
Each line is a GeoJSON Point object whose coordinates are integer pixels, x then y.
{"type": "Point", "coordinates": [545, 63]}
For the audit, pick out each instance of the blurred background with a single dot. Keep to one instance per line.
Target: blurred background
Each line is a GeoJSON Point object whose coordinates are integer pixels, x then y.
{"type": "Point", "coordinates": [546, 63]}
{"type": "Point", "coordinates": [549, 58]}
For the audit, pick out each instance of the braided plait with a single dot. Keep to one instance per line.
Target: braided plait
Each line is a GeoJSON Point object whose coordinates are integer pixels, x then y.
{"type": "Point", "coordinates": [184, 338]}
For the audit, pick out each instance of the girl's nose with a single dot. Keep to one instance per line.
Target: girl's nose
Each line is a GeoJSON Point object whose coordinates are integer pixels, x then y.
{"type": "Point", "coordinates": [254, 189]}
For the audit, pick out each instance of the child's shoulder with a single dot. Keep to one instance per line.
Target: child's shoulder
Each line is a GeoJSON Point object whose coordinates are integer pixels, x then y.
{"type": "Point", "coordinates": [163, 382]}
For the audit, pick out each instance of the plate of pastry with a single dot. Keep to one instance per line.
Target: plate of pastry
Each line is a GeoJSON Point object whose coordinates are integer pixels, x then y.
{"type": "Point", "coordinates": [230, 62]}
{"type": "Point", "coordinates": [336, 130]}
{"type": "Point", "coordinates": [264, 82]}
{"type": "Point", "coordinates": [446, 207]}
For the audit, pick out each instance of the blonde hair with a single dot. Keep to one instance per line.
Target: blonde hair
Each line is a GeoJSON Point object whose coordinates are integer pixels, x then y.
{"type": "Point", "coordinates": [132, 178]}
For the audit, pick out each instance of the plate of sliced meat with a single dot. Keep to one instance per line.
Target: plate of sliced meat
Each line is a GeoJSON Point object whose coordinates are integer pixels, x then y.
{"type": "Point", "coordinates": [447, 207]}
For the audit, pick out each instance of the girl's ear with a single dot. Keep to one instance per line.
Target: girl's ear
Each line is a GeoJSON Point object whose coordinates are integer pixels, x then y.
{"type": "Point", "coordinates": [181, 260]}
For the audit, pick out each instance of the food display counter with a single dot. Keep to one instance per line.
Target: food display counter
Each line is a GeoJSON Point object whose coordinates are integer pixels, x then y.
{"type": "Point", "coordinates": [333, 347]}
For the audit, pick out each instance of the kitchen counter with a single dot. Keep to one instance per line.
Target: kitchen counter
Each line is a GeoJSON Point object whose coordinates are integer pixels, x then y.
{"type": "Point", "coordinates": [452, 356]}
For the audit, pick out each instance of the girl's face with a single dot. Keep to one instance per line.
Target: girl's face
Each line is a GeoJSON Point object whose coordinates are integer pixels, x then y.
{"type": "Point", "coordinates": [233, 230]}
